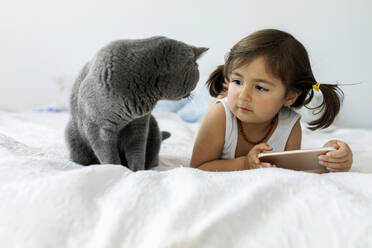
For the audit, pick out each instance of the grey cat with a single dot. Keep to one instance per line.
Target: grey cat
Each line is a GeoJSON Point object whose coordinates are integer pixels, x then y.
{"type": "Point", "coordinates": [114, 94]}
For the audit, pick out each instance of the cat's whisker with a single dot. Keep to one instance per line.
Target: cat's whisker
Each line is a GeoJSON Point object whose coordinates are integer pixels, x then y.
{"type": "Point", "coordinates": [190, 98]}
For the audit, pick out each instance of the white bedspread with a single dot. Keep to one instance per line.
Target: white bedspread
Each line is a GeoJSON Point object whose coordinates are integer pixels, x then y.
{"type": "Point", "coordinates": [48, 201]}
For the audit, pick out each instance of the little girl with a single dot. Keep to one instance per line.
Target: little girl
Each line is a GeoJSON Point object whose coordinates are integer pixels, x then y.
{"type": "Point", "coordinates": [266, 74]}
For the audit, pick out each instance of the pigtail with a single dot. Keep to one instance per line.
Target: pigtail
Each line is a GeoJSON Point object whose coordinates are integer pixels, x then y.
{"type": "Point", "coordinates": [330, 107]}
{"type": "Point", "coordinates": [216, 81]}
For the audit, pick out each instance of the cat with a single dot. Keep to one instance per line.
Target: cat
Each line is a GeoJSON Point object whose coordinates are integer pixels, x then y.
{"type": "Point", "coordinates": [113, 96]}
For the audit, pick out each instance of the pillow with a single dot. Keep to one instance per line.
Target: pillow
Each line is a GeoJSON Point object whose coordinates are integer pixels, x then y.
{"type": "Point", "coordinates": [195, 108]}
{"type": "Point", "coordinates": [190, 109]}
{"type": "Point", "coordinates": [169, 106]}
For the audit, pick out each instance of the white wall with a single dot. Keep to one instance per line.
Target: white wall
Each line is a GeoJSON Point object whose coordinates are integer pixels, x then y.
{"type": "Point", "coordinates": [44, 43]}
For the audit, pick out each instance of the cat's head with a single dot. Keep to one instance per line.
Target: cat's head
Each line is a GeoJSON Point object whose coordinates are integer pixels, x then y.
{"type": "Point", "coordinates": [176, 66]}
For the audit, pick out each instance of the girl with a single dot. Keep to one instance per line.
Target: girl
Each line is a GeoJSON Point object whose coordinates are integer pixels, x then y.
{"type": "Point", "coordinates": [266, 74]}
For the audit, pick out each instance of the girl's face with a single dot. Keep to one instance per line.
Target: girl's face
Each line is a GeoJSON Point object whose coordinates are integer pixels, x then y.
{"type": "Point", "coordinates": [254, 95]}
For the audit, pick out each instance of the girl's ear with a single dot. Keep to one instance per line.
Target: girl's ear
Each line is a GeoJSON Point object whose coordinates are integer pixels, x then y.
{"type": "Point", "coordinates": [291, 98]}
{"type": "Point", "coordinates": [226, 84]}
{"type": "Point", "coordinates": [226, 88]}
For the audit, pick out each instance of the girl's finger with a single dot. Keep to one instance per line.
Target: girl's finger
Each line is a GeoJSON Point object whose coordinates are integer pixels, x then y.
{"type": "Point", "coordinates": [266, 165]}
{"type": "Point", "coordinates": [263, 147]}
{"type": "Point", "coordinates": [342, 151]}
{"type": "Point", "coordinates": [256, 150]}
{"type": "Point", "coordinates": [336, 170]}
{"type": "Point", "coordinates": [328, 159]}
{"type": "Point", "coordinates": [257, 161]}
{"type": "Point", "coordinates": [316, 171]}
{"type": "Point", "coordinates": [337, 166]}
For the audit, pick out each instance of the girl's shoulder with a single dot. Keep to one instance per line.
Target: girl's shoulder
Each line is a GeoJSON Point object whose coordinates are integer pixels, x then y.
{"type": "Point", "coordinates": [215, 114]}
{"type": "Point", "coordinates": [214, 122]}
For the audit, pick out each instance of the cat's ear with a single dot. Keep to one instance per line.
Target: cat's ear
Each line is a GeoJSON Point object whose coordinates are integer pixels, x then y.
{"type": "Point", "coordinates": [198, 51]}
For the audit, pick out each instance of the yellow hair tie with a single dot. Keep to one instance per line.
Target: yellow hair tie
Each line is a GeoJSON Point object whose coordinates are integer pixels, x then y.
{"type": "Point", "coordinates": [316, 86]}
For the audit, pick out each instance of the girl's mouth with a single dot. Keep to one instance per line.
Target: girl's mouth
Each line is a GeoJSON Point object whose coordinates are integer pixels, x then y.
{"type": "Point", "coordinates": [244, 109]}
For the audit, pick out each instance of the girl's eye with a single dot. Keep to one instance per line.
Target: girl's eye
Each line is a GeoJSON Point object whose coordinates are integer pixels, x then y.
{"type": "Point", "coordinates": [237, 82]}
{"type": "Point", "coordinates": [259, 88]}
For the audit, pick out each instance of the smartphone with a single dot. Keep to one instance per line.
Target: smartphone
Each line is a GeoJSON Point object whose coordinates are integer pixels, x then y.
{"type": "Point", "coordinates": [306, 159]}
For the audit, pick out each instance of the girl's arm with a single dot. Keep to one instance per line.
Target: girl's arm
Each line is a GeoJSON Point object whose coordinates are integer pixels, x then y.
{"type": "Point", "coordinates": [295, 137]}
{"type": "Point", "coordinates": [224, 165]}
{"type": "Point", "coordinates": [210, 141]}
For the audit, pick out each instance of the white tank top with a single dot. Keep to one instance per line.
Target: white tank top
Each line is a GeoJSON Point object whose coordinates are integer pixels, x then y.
{"type": "Point", "coordinates": [287, 118]}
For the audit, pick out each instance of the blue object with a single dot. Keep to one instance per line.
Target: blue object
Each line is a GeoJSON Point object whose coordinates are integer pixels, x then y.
{"type": "Point", "coordinates": [50, 109]}
{"type": "Point", "coordinates": [191, 109]}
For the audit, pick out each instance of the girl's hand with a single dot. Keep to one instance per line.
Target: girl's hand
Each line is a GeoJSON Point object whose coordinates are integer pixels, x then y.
{"type": "Point", "coordinates": [339, 160]}
{"type": "Point", "coordinates": [317, 171]}
{"type": "Point", "coordinates": [251, 159]}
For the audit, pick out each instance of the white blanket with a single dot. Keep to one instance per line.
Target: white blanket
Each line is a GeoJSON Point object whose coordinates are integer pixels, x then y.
{"type": "Point", "coordinates": [48, 201]}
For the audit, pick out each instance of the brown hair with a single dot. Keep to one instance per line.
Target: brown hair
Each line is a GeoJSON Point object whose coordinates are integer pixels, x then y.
{"type": "Point", "coordinates": [287, 59]}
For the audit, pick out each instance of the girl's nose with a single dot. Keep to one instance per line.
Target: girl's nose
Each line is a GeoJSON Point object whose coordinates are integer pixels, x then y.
{"type": "Point", "coordinates": [245, 93]}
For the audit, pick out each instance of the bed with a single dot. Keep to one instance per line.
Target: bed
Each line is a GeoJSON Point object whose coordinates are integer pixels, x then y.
{"type": "Point", "coordinates": [48, 201]}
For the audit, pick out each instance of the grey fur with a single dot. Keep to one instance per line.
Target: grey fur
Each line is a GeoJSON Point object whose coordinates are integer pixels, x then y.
{"type": "Point", "coordinates": [114, 94]}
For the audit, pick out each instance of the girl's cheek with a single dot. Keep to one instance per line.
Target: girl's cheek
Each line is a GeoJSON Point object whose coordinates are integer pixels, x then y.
{"type": "Point", "coordinates": [266, 108]}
